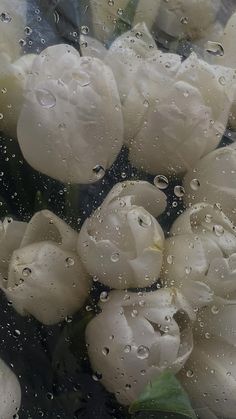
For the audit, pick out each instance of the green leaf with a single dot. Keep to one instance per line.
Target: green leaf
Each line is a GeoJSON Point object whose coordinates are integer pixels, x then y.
{"type": "Point", "coordinates": [124, 23]}
{"type": "Point", "coordinates": [165, 394]}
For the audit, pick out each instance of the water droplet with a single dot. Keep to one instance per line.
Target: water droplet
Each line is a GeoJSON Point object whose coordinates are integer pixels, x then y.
{"type": "Point", "coordinates": [97, 376]}
{"type": "Point", "coordinates": [218, 230]}
{"type": "Point", "coordinates": [138, 34]}
{"type": "Point", "coordinates": [188, 270]}
{"type": "Point", "coordinates": [115, 257]}
{"type": "Point", "coordinates": [22, 42]}
{"type": "Point", "coordinates": [104, 297]}
{"type": "Point", "coordinates": [69, 262]}
{"type": "Point", "coordinates": [49, 396]}
{"type": "Point", "coordinates": [5, 17]}
{"type": "Point", "coordinates": [84, 30]}
{"type": "Point", "coordinates": [45, 98]}
{"type": "Point", "coordinates": [16, 333]}
{"type": "Point", "coordinates": [26, 272]}
{"type": "Point", "coordinates": [222, 81]}
{"type": "Point", "coordinates": [215, 309]}
{"type": "Point", "coordinates": [120, 12]}
{"type": "Point", "coordinates": [195, 184]}
{"type": "Point", "coordinates": [111, 2]}
{"type": "Point", "coordinates": [68, 319]}
{"type": "Point", "coordinates": [1, 116]}
{"type": "Point", "coordinates": [189, 373]}
{"type": "Point", "coordinates": [99, 171]}
{"type": "Point", "coordinates": [144, 220]}
{"type": "Point", "coordinates": [28, 31]}
{"type": "Point", "coordinates": [179, 191]}
{"type": "Point", "coordinates": [170, 259]}
{"type": "Point", "coordinates": [105, 351]}
{"type": "Point", "coordinates": [127, 349]}
{"type": "Point", "coordinates": [142, 352]}
{"type": "Point", "coordinates": [161, 182]}
{"type": "Point", "coordinates": [184, 20]}
{"type": "Point", "coordinates": [208, 218]}
{"type": "Point", "coordinates": [146, 103]}
{"type": "Point", "coordinates": [215, 48]}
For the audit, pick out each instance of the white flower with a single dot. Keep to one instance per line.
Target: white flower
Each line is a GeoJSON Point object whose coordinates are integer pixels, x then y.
{"type": "Point", "coordinates": [188, 18]}
{"type": "Point", "coordinates": [213, 180]}
{"type": "Point", "coordinates": [10, 395]}
{"type": "Point", "coordinates": [226, 55]}
{"type": "Point", "coordinates": [138, 336]}
{"type": "Point", "coordinates": [12, 25]}
{"type": "Point", "coordinates": [210, 374]}
{"type": "Point", "coordinates": [13, 76]}
{"type": "Point", "coordinates": [71, 126]}
{"type": "Point", "coordinates": [107, 15]}
{"type": "Point", "coordinates": [40, 271]}
{"type": "Point", "coordinates": [122, 243]}
{"type": "Point", "coordinates": [126, 53]}
{"type": "Point", "coordinates": [175, 112]}
{"type": "Point", "coordinates": [202, 245]}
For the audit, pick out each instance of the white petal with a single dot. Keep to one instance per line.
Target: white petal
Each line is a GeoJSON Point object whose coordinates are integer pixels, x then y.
{"type": "Point", "coordinates": [10, 396]}
{"type": "Point", "coordinates": [141, 337]}
{"type": "Point", "coordinates": [216, 180]}
{"type": "Point", "coordinates": [71, 101]}
{"type": "Point", "coordinates": [13, 77]}
{"type": "Point", "coordinates": [47, 282]}
{"type": "Point", "coordinates": [45, 226]}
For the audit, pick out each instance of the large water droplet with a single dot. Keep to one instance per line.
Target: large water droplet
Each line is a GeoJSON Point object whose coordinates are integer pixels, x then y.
{"type": "Point", "coordinates": [195, 184]}
{"type": "Point", "coordinates": [144, 220]}
{"type": "Point", "coordinates": [45, 98]}
{"type": "Point", "coordinates": [142, 352]}
{"type": "Point", "coordinates": [215, 48]}
{"type": "Point", "coordinates": [161, 182]}
{"type": "Point", "coordinates": [115, 257]}
{"type": "Point", "coordinates": [5, 17]}
{"type": "Point", "coordinates": [99, 171]}
{"type": "Point", "coordinates": [218, 230]}
{"type": "Point", "coordinates": [69, 262]}
{"type": "Point", "coordinates": [179, 191]}
{"type": "Point", "coordinates": [26, 272]}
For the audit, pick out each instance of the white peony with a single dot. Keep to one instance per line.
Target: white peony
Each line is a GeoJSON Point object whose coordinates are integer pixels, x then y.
{"type": "Point", "coordinates": [122, 243]}
{"type": "Point", "coordinates": [175, 112]}
{"type": "Point", "coordinates": [210, 375]}
{"type": "Point", "coordinates": [201, 248]}
{"type": "Point", "coordinates": [187, 18]}
{"type": "Point", "coordinates": [213, 180]}
{"type": "Point", "coordinates": [138, 336]}
{"type": "Point", "coordinates": [41, 273]}
{"type": "Point", "coordinates": [70, 126]}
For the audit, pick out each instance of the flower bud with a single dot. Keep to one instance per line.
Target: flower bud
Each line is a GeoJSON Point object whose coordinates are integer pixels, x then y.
{"type": "Point", "coordinates": [201, 239]}
{"type": "Point", "coordinates": [138, 336]}
{"type": "Point", "coordinates": [45, 276]}
{"type": "Point", "coordinates": [70, 126]}
{"type": "Point", "coordinates": [175, 112]}
{"type": "Point", "coordinates": [122, 243]}
{"type": "Point", "coordinates": [213, 180]}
